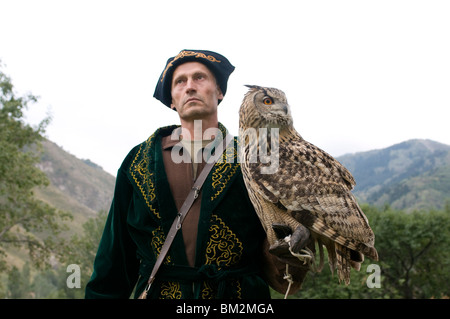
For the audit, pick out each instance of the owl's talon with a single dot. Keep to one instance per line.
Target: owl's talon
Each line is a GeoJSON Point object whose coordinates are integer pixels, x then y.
{"type": "Point", "coordinates": [305, 255]}
{"type": "Point", "coordinates": [299, 238]}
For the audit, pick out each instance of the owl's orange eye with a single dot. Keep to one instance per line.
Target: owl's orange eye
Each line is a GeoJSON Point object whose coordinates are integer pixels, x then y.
{"type": "Point", "coordinates": [268, 100]}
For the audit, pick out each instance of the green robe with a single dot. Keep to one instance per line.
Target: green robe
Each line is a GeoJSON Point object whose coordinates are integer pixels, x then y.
{"type": "Point", "coordinates": [228, 262]}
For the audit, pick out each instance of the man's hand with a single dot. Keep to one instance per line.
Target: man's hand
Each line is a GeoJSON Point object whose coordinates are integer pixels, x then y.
{"type": "Point", "coordinates": [299, 239]}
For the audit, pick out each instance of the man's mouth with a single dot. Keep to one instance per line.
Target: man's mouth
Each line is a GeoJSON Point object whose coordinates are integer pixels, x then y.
{"type": "Point", "coordinates": [192, 99]}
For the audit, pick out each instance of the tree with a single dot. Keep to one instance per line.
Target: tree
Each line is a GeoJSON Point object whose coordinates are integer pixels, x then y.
{"type": "Point", "coordinates": [413, 259]}
{"type": "Point", "coordinates": [19, 283]}
{"type": "Point", "coordinates": [25, 222]}
{"type": "Point", "coordinates": [413, 250]}
{"type": "Point", "coordinates": [82, 250]}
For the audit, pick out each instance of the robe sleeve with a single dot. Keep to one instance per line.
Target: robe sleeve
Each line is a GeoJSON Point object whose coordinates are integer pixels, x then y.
{"type": "Point", "coordinates": [116, 265]}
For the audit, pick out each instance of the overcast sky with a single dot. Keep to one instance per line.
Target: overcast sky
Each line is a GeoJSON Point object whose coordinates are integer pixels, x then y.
{"type": "Point", "coordinates": [359, 75]}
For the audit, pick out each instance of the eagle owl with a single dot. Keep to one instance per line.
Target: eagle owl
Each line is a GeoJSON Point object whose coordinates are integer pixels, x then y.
{"type": "Point", "coordinates": [299, 191]}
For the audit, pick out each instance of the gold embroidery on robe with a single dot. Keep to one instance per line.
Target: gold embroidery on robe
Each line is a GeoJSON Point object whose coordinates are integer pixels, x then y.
{"type": "Point", "coordinates": [143, 178]}
{"type": "Point", "coordinates": [157, 242]}
{"type": "Point", "coordinates": [224, 170]}
{"type": "Point", "coordinates": [223, 248]}
{"type": "Point", "coordinates": [170, 290]}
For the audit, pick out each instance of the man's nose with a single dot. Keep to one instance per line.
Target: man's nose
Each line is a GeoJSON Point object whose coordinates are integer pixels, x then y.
{"type": "Point", "coordinates": [190, 86]}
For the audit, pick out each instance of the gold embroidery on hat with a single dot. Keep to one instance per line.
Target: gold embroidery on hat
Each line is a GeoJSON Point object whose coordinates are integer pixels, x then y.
{"type": "Point", "coordinates": [183, 54]}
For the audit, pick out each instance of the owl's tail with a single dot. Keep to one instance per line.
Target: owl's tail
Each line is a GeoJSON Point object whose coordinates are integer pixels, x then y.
{"type": "Point", "coordinates": [340, 258]}
{"type": "Point", "coordinates": [343, 263]}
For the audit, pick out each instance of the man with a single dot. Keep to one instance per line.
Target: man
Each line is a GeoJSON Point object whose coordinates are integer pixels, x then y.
{"type": "Point", "coordinates": [220, 250]}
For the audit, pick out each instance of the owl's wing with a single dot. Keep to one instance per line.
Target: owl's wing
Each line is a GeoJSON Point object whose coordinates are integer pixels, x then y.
{"type": "Point", "coordinates": [303, 170]}
{"type": "Point", "coordinates": [310, 181]}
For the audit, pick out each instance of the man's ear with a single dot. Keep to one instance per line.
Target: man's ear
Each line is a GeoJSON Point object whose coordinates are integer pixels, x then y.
{"type": "Point", "coordinates": [172, 106]}
{"type": "Point", "coordinates": [220, 94]}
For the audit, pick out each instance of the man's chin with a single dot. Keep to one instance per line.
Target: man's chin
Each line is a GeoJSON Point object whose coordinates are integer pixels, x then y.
{"type": "Point", "coordinates": [196, 107]}
{"type": "Point", "coordinates": [195, 103]}
{"type": "Point", "coordinates": [196, 113]}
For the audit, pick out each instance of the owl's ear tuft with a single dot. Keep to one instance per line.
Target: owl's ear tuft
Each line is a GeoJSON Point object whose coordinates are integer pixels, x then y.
{"type": "Point", "coordinates": [256, 87]}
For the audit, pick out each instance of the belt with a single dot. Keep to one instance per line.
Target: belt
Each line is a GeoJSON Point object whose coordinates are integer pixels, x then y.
{"type": "Point", "coordinates": [196, 275]}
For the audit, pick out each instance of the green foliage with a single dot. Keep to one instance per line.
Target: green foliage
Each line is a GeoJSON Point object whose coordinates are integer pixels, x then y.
{"type": "Point", "coordinates": [414, 259]}
{"type": "Point", "coordinates": [82, 250]}
{"type": "Point", "coordinates": [51, 283]}
{"type": "Point", "coordinates": [19, 283]}
{"type": "Point", "coordinates": [22, 216]}
{"type": "Point", "coordinates": [414, 254]}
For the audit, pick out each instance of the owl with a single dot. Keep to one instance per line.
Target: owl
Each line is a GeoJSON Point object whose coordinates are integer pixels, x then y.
{"type": "Point", "coordinates": [301, 194]}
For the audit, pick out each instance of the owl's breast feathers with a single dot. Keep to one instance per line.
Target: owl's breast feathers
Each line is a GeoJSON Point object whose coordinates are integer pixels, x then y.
{"type": "Point", "coordinates": [316, 189]}
{"type": "Point", "coordinates": [304, 186]}
{"type": "Point", "coordinates": [303, 170]}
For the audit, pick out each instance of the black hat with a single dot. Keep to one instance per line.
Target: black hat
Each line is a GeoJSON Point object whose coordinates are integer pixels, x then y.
{"type": "Point", "coordinates": [216, 63]}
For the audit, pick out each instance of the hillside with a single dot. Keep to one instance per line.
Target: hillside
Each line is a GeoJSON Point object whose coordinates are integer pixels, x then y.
{"type": "Point", "coordinates": [78, 186]}
{"type": "Point", "coordinates": [411, 175]}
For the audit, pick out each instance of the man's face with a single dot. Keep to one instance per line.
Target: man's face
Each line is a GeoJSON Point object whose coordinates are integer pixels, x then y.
{"type": "Point", "coordinates": [195, 93]}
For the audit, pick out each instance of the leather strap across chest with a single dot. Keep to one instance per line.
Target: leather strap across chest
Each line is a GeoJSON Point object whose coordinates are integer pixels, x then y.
{"type": "Point", "coordinates": [176, 225]}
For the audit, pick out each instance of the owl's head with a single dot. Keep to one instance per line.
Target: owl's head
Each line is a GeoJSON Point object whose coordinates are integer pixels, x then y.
{"type": "Point", "coordinates": [265, 107]}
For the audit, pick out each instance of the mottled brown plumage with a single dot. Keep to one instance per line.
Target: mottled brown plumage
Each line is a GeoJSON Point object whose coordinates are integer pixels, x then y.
{"type": "Point", "coordinates": [294, 183]}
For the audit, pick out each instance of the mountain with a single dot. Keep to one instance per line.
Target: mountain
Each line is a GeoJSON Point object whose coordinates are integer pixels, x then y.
{"type": "Point", "coordinates": [78, 186]}
{"type": "Point", "coordinates": [411, 175]}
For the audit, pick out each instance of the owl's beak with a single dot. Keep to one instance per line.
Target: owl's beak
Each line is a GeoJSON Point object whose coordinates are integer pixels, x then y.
{"type": "Point", "coordinates": [282, 110]}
